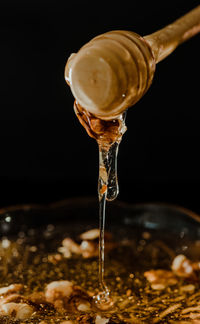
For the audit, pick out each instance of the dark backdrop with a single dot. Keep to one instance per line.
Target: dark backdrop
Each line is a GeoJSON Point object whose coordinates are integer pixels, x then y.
{"type": "Point", "coordinates": [45, 153]}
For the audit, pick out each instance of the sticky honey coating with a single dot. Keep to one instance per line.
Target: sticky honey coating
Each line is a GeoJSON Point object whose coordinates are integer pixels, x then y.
{"type": "Point", "coordinates": [105, 132]}
{"type": "Point", "coordinates": [110, 73]}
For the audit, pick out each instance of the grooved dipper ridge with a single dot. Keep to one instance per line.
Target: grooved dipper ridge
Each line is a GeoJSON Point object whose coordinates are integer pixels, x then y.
{"type": "Point", "coordinates": [114, 70]}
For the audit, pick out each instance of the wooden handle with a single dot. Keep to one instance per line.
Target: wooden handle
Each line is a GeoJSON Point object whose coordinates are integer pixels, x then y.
{"type": "Point", "coordinates": [164, 41]}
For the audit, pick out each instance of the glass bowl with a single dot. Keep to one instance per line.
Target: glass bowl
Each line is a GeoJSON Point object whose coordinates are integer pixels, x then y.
{"type": "Point", "coordinates": [147, 236]}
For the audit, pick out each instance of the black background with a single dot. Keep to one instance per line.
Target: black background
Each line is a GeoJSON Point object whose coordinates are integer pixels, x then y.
{"type": "Point", "coordinates": [46, 155]}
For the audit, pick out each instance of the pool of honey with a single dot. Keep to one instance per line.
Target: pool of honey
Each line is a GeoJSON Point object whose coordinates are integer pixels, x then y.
{"type": "Point", "coordinates": [31, 259]}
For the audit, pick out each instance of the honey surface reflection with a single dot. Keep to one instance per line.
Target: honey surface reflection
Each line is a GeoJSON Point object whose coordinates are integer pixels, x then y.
{"type": "Point", "coordinates": [56, 279]}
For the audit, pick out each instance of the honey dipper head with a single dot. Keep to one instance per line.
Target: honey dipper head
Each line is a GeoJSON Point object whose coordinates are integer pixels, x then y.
{"type": "Point", "coordinates": [110, 73]}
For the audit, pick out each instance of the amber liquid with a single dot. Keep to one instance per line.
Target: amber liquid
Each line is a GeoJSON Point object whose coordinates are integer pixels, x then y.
{"type": "Point", "coordinates": [107, 190]}
{"type": "Point", "coordinates": [25, 260]}
{"type": "Point", "coordinates": [108, 135]}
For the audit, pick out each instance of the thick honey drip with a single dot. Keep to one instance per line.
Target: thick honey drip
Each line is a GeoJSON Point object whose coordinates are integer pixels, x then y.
{"type": "Point", "coordinates": [107, 190]}
{"type": "Point", "coordinates": [108, 135]}
{"type": "Point", "coordinates": [106, 132]}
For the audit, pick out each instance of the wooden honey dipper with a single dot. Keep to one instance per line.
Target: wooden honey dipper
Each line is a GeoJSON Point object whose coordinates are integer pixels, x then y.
{"type": "Point", "coordinates": [114, 70]}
